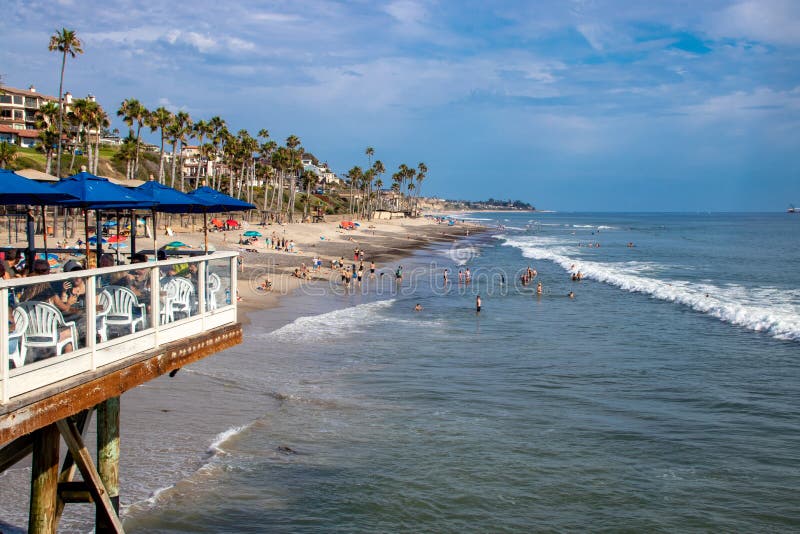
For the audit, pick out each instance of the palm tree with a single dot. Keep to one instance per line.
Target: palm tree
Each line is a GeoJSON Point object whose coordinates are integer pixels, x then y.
{"type": "Point", "coordinates": [67, 42]}
{"type": "Point", "coordinates": [161, 119]}
{"type": "Point", "coordinates": [200, 131]}
{"type": "Point", "coordinates": [78, 117]}
{"type": "Point", "coordinates": [8, 153]}
{"type": "Point", "coordinates": [219, 136]}
{"type": "Point", "coordinates": [280, 161]}
{"type": "Point", "coordinates": [48, 136]}
{"type": "Point", "coordinates": [309, 180]}
{"type": "Point", "coordinates": [422, 171]}
{"type": "Point", "coordinates": [378, 169]}
{"type": "Point", "coordinates": [132, 111]}
{"type": "Point", "coordinates": [292, 142]}
{"type": "Point", "coordinates": [177, 132]}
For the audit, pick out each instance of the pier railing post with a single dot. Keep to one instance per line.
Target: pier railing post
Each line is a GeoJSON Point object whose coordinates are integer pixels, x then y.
{"type": "Point", "coordinates": [44, 481]}
{"type": "Point", "coordinates": [4, 357]}
{"type": "Point", "coordinates": [234, 286]}
{"type": "Point", "coordinates": [91, 317]}
{"type": "Point", "coordinates": [202, 287]}
{"type": "Point", "coordinates": [108, 456]}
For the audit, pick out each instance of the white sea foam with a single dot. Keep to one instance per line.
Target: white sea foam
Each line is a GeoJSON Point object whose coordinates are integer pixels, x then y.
{"type": "Point", "coordinates": [762, 309]}
{"type": "Point", "coordinates": [461, 255]}
{"type": "Point", "coordinates": [216, 445]}
{"type": "Point", "coordinates": [334, 324]}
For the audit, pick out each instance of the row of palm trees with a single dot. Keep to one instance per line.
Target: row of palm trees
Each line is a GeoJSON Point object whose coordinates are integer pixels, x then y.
{"type": "Point", "coordinates": [241, 163]}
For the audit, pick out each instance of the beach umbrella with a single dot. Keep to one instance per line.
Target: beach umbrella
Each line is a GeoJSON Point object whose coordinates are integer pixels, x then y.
{"type": "Point", "coordinates": [16, 189]}
{"type": "Point", "coordinates": [217, 202]}
{"type": "Point", "coordinates": [95, 192]}
{"type": "Point", "coordinates": [117, 238]}
{"type": "Point", "coordinates": [175, 245]}
{"type": "Point", "coordinates": [109, 224]}
{"type": "Point", "coordinates": [169, 200]}
{"type": "Point", "coordinates": [252, 233]}
{"type": "Point", "coordinates": [93, 240]}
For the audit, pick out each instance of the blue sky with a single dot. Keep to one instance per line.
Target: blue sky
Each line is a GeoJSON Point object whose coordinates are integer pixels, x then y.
{"type": "Point", "coordinates": [571, 105]}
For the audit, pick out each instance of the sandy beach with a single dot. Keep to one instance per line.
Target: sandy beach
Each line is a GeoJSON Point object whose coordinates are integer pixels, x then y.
{"type": "Point", "coordinates": [381, 241]}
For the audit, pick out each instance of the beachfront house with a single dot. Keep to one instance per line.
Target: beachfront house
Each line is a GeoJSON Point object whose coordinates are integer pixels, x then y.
{"type": "Point", "coordinates": [18, 110]}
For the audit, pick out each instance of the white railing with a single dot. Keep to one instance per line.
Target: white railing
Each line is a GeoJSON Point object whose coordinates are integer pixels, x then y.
{"type": "Point", "coordinates": [60, 325]}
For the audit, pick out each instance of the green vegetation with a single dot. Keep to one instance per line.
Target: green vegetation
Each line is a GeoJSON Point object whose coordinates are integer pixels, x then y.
{"type": "Point", "coordinates": [490, 204]}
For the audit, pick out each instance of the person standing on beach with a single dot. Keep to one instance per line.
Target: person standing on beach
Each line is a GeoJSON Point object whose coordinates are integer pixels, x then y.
{"type": "Point", "coordinates": [478, 304]}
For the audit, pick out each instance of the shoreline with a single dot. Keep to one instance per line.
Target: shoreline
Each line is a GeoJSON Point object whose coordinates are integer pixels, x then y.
{"type": "Point", "coordinates": [388, 242]}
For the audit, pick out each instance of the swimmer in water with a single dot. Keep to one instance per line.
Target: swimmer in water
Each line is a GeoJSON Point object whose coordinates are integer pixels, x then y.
{"type": "Point", "coordinates": [571, 295]}
{"type": "Point", "coordinates": [539, 288]}
{"type": "Point", "coordinates": [418, 307]}
{"type": "Point", "coordinates": [478, 304]}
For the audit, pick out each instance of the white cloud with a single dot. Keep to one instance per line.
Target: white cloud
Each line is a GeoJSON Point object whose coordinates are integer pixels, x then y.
{"type": "Point", "coordinates": [770, 21]}
{"type": "Point", "coordinates": [407, 12]}
{"type": "Point", "coordinates": [281, 18]}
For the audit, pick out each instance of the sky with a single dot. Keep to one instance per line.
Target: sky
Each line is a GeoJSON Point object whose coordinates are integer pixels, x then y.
{"type": "Point", "coordinates": [571, 105]}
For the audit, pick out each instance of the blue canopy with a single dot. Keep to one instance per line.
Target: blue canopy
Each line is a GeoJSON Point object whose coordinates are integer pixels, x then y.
{"type": "Point", "coordinates": [171, 200]}
{"type": "Point", "coordinates": [16, 189]}
{"type": "Point", "coordinates": [219, 201]}
{"type": "Point", "coordinates": [94, 192]}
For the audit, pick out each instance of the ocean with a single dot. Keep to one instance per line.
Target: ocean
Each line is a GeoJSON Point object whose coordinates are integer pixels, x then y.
{"type": "Point", "coordinates": [663, 397]}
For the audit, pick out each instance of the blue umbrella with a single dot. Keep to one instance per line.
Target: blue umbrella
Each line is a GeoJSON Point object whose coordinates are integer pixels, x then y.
{"type": "Point", "coordinates": [95, 192]}
{"type": "Point", "coordinates": [252, 233]}
{"type": "Point", "coordinates": [16, 189]}
{"type": "Point", "coordinates": [217, 202]}
{"type": "Point", "coordinates": [169, 200]}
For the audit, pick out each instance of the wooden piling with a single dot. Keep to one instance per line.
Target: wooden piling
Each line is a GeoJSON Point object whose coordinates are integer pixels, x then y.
{"type": "Point", "coordinates": [44, 481]}
{"type": "Point", "coordinates": [108, 455]}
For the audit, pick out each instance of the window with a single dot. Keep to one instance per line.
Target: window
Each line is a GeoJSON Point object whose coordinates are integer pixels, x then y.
{"type": "Point", "coordinates": [17, 100]}
{"type": "Point", "coordinates": [30, 102]}
{"type": "Point", "coordinates": [5, 99]}
{"type": "Point", "coordinates": [5, 114]}
{"type": "Point", "coordinates": [18, 114]}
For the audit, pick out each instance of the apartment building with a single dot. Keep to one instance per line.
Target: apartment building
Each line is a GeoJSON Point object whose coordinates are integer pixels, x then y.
{"type": "Point", "coordinates": [18, 109]}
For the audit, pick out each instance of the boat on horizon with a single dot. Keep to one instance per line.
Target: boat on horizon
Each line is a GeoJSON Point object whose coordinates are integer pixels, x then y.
{"type": "Point", "coordinates": [791, 209]}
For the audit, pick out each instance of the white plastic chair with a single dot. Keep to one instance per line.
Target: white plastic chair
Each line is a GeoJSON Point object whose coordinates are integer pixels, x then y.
{"type": "Point", "coordinates": [45, 324]}
{"type": "Point", "coordinates": [104, 302]}
{"type": "Point", "coordinates": [212, 287]}
{"type": "Point", "coordinates": [20, 350]}
{"type": "Point", "coordinates": [124, 307]}
{"type": "Point", "coordinates": [179, 298]}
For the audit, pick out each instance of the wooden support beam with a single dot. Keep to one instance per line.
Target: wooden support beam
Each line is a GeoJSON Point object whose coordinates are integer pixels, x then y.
{"type": "Point", "coordinates": [82, 421]}
{"type": "Point", "coordinates": [74, 440]}
{"type": "Point", "coordinates": [44, 481]}
{"type": "Point", "coordinates": [108, 455]}
{"type": "Point", "coordinates": [74, 492]}
{"type": "Point", "coordinates": [16, 451]}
